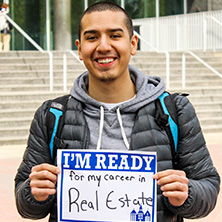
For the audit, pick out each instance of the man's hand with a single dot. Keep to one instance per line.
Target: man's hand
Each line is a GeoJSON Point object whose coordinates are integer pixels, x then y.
{"type": "Point", "coordinates": [174, 185]}
{"type": "Point", "coordinates": [43, 179]}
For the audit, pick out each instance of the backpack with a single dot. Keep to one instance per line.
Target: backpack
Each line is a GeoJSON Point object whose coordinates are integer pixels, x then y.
{"type": "Point", "coordinates": [166, 118]}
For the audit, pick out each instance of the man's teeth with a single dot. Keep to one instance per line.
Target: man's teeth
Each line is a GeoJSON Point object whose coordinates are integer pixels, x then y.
{"type": "Point", "coordinates": [105, 61]}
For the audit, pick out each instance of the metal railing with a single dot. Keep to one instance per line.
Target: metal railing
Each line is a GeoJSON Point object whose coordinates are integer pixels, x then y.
{"type": "Point", "coordinates": [65, 67]}
{"type": "Point", "coordinates": [209, 38]}
{"type": "Point", "coordinates": [198, 59]}
{"type": "Point", "coordinates": [190, 32]}
{"type": "Point", "coordinates": [37, 47]}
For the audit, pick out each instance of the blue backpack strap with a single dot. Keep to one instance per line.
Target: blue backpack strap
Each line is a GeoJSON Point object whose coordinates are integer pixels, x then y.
{"type": "Point", "coordinates": [57, 113]}
{"type": "Point", "coordinates": [166, 118]}
{"type": "Point", "coordinates": [173, 126]}
{"type": "Point", "coordinates": [55, 122]}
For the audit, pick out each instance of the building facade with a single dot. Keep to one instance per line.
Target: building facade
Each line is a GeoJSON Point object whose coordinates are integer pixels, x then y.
{"type": "Point", "coordinates": [63, 17]}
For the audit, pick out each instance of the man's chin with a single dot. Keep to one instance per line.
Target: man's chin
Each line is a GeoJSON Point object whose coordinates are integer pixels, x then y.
{"type": "Point", "coordinates": [107, 79]}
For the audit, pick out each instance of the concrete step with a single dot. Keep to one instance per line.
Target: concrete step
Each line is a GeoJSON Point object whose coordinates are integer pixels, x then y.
{"type": "Point", "coordinates": [39, 73]}
{"type": "Point", "coordinates": [35, 87]}
{"type": "Point", "coordinates": [207, 98]}
{"type": "Point", "coordinates": [25, 54]}
{"type": "Point", "coordinates": [36, 60]}
{"type": "Point", "coordinates": [15, 131]}
{"type": "Point", "coordinates": [206, 90]}
{"type": "Point", "coordinates": [21, 104]}
{"type": "Point", "coordinates": [15, 122]}
{"type": "Point", "coordinates": [25, 67]}
{"type": "Point", "coordinates": [217, 120]}
{"type": "Point", "coordinates": [189, 71]}
{"type": "Point", "coordinates": [199, 83]}
{"type": "Point", "coordinates": [212, 129]}
{"type": "Point", "coordinates": [15, 140]}
{"type": "Point", "coordinates": [23, 81]}
{"type": "Point", "coordinates": [17, 113]}
{"type": "Point", "coordinates": [29, 95]}
{"type": "Point", "coordinates": [211, 105]}
{"type": "Point", "coordinates": [204, 113]}
{"type": "Point", "coordinates": [173, 66]}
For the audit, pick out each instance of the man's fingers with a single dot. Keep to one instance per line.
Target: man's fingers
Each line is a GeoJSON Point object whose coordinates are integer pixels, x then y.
{"type": "Point", "coordinates": [41, 194]}
{"type": "Point", "coordinates": [176, 186]}
{"type": "Point", "coordinates": [43, 175]}
{"type": "Point", "coordinates": [42, 184]}
{"type": "Point", "coordinates": [48, 167]}
{"type": "Point", "coordinates": [176, 195]}
{"type": "Point", "coordinates": [170, 176]}
{"type": "Point", "coordinates": [171, 179]}
{"type": "Point", "coordinates": [42, 191]}
{"type": "Point", "coordinates": [165, 173]}
{"type": "Point", "coordinates": [44, 172]}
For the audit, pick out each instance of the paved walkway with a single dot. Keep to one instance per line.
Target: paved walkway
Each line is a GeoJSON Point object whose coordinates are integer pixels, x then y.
{"type": "Point", "coordinates": [10, 157]}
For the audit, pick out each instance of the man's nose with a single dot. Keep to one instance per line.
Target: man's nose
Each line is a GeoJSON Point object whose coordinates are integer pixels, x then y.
{"type": "Point", "coordinates": [104, 44]}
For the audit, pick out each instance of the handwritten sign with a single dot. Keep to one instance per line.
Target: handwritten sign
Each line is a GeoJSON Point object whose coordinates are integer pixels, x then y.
{"type": "Point", "coordinates": [106, 186]}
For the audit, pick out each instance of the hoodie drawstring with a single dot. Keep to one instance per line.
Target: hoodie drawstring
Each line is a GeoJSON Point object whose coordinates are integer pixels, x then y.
{"type": "Point", "coordinates": [101, 128]}
{"type": "Point", "coordinates": [122, 129]}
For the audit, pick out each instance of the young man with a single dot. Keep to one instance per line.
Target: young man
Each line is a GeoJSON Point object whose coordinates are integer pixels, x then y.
{"type": "Point", "coordinates": [122, 97]}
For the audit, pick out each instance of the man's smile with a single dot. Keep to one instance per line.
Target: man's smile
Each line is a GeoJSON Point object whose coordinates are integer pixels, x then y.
{"type": "Point", "coordinates": [105, 61]}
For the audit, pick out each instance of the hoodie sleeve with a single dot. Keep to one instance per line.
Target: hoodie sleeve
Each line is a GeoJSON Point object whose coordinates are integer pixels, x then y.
{"type": "Point", "coordinates": [37, 152]}
{"type": "Point", "coordinates": [194, 158]}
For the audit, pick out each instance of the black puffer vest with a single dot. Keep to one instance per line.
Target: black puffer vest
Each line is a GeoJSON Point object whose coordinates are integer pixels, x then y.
{"type": "Point", "coordinates": [146, 136]}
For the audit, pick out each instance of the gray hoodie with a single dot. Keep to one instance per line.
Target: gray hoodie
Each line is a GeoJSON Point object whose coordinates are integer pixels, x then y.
{"type": "Point", "coordinates": [111, 129]}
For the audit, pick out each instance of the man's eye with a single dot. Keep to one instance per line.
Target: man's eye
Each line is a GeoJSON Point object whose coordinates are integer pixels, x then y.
{"type": "Point", "coordinates": [115, 36]}
{"type": "Point", "coordinates": [91, 37]}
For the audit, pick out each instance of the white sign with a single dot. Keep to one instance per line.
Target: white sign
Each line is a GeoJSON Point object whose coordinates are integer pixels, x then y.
{"type": "Point", "coordinates": [106, 186]}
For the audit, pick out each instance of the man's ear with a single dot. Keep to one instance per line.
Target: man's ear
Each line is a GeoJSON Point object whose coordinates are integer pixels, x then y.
{"type": "Point", "coordinates": [134, 43]}
{"type": "Point", "coordinates": [78, 44]}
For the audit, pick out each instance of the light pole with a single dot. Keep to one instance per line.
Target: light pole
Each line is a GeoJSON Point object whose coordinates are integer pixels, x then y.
{"type": "Point", "coordinates": [48, 25]}
{"type": "Point", "coordinates": [157, 9]}
{"type": "Point", "coordinates": [185, 6]}
{"type": "Point", "coordinates": [123, 3]}
{"type": "Point", "coordinates": [85, 4]}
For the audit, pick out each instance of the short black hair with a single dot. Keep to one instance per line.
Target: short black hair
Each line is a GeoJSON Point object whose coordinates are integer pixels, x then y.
{"type": "Point", "coordinates": [103, 6]}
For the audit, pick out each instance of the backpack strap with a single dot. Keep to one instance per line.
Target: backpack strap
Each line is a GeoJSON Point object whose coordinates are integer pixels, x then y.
{"type": "Point", "coordinates": [55, 123]}
{"type": "Point", "coordinates": [166, 117]}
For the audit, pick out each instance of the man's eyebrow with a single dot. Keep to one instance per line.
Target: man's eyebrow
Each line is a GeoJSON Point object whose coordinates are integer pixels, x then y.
{"type": "Point", "coordinates": [115, 30]}
{"type": "Point", "coordinates": [90, 32]}
{"type": "Point", "coordinates": [108, 30]}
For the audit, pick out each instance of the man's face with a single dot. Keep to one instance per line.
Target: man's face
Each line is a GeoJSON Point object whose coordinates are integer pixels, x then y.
{"type": "Point", "coordinates": [105, 45]}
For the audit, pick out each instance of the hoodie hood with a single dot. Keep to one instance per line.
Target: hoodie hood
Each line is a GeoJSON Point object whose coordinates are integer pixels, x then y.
{"type": "Point", "coordinates": [111, 128]}
{"type": "Point", "coordinates": [148, 88]}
